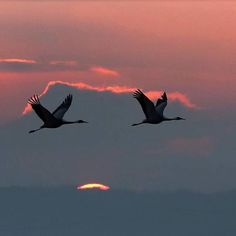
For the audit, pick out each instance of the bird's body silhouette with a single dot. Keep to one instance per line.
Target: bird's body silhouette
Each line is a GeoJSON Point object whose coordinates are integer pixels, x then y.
{"type": "Point", "coordinates": [55, 119]}
{"type": "Point", "coordinates": [153, 113]}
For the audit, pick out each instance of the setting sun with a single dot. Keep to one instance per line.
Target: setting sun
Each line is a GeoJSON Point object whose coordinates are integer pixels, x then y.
{"type": "Point", "coordinates": [93, 186]}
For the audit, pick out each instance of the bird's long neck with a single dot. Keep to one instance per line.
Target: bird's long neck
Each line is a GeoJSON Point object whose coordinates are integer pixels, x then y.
{"type": "Point", "coordinates": [69, 122]}
{"type": "Point", "coordinates": [73, 122]}
{"type": "Point", "coordinates": [170, 119]}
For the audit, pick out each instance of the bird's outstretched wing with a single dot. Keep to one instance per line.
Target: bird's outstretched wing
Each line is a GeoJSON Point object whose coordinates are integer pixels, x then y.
{"type": "Point", "coordinates": [41, 111]}
{"type": "Point", "coordinates": [161, 104]}
{"type": "Point", "coordinates": [146, 104]}
{"type": "Point", "coordinates": [62, 109]}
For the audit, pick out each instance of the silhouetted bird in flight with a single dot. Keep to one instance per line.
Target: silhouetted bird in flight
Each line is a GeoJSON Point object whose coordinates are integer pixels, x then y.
{"type": "Point", "coordinates": [153, 113]}
{"type": "Point", "coordinates": [55, 119]}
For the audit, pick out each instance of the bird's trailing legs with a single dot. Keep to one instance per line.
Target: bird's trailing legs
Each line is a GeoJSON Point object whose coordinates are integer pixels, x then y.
{"type": "Point", "coordinates": [138, 123]}
{"type": "Point", "coordinates": [34, 130]}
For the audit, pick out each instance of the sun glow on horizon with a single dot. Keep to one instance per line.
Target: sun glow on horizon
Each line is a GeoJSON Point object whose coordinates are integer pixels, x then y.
{"type": "Point", "coordinates": [93, 186]}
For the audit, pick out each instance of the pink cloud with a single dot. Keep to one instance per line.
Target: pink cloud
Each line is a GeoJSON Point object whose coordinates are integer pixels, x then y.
{"type": "Point", "coordinates": [65, 63]}
{"type": "Point", "coordinates": [17, 60]}
{"type": "Point", "coordinates": [83, 86]}
{"type": "Point", "coordinates": [114, 89]}
{"type": "Point", "coordinates": [104, 71]}
{"type": "Point", "coordinates": [202, 145]}
{"type": "Point", "coordinates": [173, 96]}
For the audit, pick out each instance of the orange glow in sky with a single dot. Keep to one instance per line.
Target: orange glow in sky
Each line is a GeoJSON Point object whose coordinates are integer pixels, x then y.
{"type": "Point", "coordinates": [93, 186]}
{"type": "Point", "coordinates": [181, 47]}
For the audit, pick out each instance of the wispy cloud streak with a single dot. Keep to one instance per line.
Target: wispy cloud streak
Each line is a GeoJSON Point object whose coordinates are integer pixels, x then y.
{"type": "Point", "coordinates": [175, 96]}
{"type": "Point", "coordinates": [17, 60]}
{"type": "Point", "coordinates": [104, 71]}
{"type": "Point", "coordinates": [65, 63]}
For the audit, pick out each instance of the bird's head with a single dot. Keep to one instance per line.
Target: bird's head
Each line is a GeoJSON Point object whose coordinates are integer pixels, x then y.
{"type": "Point", "coordinates": [81, 121]}
{"type": "Point", "coordinates": [179, 118]}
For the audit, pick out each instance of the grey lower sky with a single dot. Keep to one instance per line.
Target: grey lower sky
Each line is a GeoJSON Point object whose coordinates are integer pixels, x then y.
{"type": "Point", "coordinates": [196, 154]}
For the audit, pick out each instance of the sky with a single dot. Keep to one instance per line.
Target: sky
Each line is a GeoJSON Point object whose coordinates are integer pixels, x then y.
{"type": "Point", "coordinates": [101, 52]}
